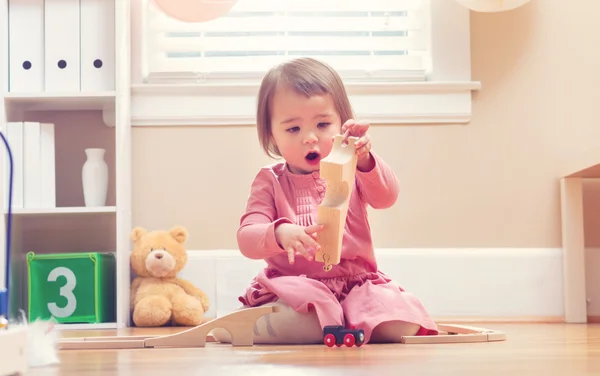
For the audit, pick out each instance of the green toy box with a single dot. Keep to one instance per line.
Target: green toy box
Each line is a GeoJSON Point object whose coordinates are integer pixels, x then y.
{"type": "Point", "coordinates": [72, 287]}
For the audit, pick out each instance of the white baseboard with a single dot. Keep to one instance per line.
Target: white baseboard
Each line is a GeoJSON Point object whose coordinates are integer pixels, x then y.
{"type": "Point", "coordinates": [487, 284]}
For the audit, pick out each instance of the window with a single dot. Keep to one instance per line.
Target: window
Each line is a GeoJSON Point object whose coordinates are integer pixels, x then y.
{"type": "Point", "coordinates": [403, 61]}
{"type": "Point", "coordinates": [376, 39]}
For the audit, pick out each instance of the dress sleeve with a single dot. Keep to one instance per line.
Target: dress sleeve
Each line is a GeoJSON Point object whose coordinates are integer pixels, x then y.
{"type": "Point", "coordinates": [379, 187]}
{"type": "Point", "coordinates": [256, 234]}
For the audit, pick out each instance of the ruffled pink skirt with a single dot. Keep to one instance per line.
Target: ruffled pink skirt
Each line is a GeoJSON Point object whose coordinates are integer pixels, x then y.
{"type": "Point", "coordinates": [363, 300]}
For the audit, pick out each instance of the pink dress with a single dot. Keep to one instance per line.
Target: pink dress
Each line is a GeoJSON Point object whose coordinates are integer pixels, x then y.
{"type": "Point", "coordinates": [354, 293]}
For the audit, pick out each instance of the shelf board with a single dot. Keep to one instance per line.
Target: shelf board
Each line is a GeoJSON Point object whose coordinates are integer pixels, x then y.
{"type": "Point", "coordinates": [63, 210]}
{"type": "Point", "coordinates": [59, 101]}
{"type": "Point", "coordinates": [107, 325]}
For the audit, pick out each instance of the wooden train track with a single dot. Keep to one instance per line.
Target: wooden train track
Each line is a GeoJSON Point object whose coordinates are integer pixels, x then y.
{"type": "Point", "coordinates": [240, 325]}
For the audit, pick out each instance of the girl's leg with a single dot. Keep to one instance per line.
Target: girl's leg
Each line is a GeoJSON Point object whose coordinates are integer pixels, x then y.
{"type": "Point", "coordinates": [393, 331]}
{"type": "Point", "coordinates": [284, 327]}
{"type": "Point", "coordinates": [382, 310]}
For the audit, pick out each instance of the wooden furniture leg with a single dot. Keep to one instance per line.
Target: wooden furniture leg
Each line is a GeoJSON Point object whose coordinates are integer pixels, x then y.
{"type": "Point", "coordinates": [338, 170]}
{"type": "Point", "coordinates": [240, 325]}
{"type": "Point", "coordinates": [450, 333]}
{"type": "Point", "coordinates": [571, 198]}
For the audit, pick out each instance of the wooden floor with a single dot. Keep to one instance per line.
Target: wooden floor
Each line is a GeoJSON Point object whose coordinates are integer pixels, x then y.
{"type": "Point", "coordinates": [530, 349]}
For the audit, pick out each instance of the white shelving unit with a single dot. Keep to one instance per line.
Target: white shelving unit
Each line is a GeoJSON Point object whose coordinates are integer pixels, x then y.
{"type": "Point", "coordinates": [82, 120]}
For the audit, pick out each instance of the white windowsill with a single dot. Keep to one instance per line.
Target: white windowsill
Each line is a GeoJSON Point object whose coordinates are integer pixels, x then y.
{"type": "Point", "coordinates": [234, 104]}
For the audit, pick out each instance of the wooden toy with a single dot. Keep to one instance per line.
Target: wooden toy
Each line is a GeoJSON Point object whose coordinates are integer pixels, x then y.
{"type": "Point", "coordinates": [337, 335]}
{"type": "Point", "coordinates": [240, 325]}
{"type": "Point", "coordinates": [338, 170]}
{"type": "Point", "coordinates": [451, 333]}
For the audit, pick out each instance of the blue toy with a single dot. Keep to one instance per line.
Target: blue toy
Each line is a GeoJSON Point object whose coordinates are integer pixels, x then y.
{"type": "Point", "coordinates": [4, 292]}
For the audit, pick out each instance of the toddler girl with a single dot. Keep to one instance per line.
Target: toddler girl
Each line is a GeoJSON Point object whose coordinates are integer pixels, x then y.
{"type": "Point", "coordinates": [302, 105]}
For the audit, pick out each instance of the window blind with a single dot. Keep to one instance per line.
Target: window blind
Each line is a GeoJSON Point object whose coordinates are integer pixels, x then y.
{"type": "Point", "coordinates": [362, 39]}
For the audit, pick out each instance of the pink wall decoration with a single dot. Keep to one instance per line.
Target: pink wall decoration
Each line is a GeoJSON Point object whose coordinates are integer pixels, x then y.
{"type": "Point", "coordinates": [195, 10]}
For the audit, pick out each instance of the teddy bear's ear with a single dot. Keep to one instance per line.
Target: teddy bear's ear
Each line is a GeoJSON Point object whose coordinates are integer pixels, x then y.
{"type": "Point", "coordinates": [179, 233]}
{"type": "Point", "coordinates": [137, 233]}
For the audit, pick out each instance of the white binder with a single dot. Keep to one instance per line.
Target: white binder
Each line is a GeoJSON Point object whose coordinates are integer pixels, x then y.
{"type": "Point", "coordinates": [14, 136]}
{"type": "Point", "coordinates": [97, 45]}
{"type": "Point", "coordinates": [26, 46]}
{"type": "Point", "coordinates": [32, 165]}
{"type": "Point", "coordinates": [61, 25]}
{"type": "Point", "coordinates": [47, 166]}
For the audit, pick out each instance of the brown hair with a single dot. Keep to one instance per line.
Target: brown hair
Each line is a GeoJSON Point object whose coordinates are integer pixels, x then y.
{"type": "Point", "coordinates": [305, 76]}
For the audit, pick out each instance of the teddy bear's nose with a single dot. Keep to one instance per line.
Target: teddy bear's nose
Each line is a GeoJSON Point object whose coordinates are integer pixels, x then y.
{"type": "Point", "coordinates": [158, 255]}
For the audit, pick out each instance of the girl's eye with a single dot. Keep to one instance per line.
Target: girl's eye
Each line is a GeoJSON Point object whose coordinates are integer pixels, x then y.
{"type": "Point", "coordinates": [323, 125]}
{"type": "Point", "coordinates": [293, 129]}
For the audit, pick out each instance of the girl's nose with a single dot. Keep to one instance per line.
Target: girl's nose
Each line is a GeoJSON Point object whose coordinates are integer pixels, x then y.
{"type": "Point", "coordinates": [311, 139]}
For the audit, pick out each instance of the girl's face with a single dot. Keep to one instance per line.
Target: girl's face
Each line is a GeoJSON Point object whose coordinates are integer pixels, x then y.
{"type": "Point", "coordinates": [303, 128]}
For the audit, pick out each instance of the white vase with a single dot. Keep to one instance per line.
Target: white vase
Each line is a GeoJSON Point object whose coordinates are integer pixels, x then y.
{"type": "Point", "coordinates": [94, 176]}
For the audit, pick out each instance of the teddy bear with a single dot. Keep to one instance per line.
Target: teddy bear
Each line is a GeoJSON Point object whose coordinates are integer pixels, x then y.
{"type": "Point", "coordinates": [158, 296]}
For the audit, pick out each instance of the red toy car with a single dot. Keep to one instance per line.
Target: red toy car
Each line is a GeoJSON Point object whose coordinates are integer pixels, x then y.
{"type": "Point", "coordinates": [338, 335]}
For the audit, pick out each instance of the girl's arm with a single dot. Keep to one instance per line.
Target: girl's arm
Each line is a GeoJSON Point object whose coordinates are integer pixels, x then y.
{"type": "Point", "coordinates": [379, 187]}
{"type": "Point", "coordinates": [256, 234]}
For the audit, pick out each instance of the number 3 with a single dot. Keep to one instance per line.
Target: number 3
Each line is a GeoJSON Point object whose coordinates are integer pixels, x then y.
{"type": "Point", "coordinates": [66, 291]}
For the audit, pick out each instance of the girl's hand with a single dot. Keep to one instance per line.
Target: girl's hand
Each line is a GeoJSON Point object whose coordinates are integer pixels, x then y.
{"type": "Point", "coordinates": [352, 128]}
{"type": "Point", "coordinates": [298, 240]}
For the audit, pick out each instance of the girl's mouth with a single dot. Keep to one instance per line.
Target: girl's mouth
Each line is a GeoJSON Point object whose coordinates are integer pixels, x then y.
{"type": "Point", "coordinates": [312, 158]}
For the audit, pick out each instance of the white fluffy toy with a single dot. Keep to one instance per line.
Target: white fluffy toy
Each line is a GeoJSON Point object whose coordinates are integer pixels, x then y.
{"type": "Point", "coordinates": [42, 340]}
{"type": "Point", "coordinates": [25, 345]}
